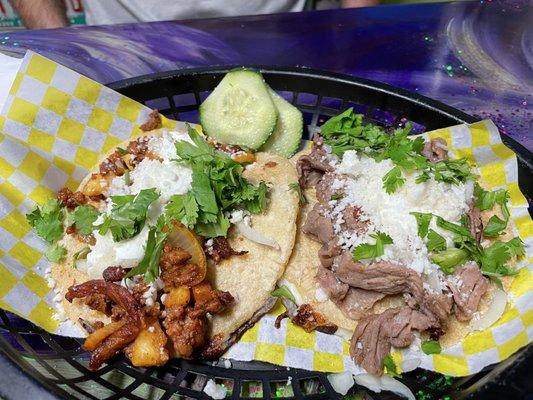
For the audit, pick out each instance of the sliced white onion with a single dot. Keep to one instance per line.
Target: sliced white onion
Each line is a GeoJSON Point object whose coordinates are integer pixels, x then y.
{"type": "Point", "coordinates": [493, 314]}
{"type": "Point", "coordinates": [377, 384]}
{"type": "Point", "coordinates": [81, 265]}
{"type": "Point", "coordinates": [411, 364]}
{"type": "Point", "coordinates": [341, 382]}
{"type": "Point", "coordinates": [251, 234]}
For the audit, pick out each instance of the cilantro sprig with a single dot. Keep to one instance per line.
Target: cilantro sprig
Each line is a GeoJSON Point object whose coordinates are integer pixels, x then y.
{"type": "Point", "coordinates": [367, 251]}
{"type": "Point", "coordinates": [47, 221]}
{"type": "Point", "coordinates": [346, 131]}
{"type": "Point", "coordinates": [128, 215]}
{"type": "Point", "coordinates": [217, 187]}
{"type": "Point", "coordinates": [486, 200]}
{"type": "Point", "coordinates": [83, 218]}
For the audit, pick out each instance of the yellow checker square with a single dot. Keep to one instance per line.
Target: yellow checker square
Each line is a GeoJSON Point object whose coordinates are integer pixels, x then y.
{"type": "Point", "coordinates": [41, 193]}
{"type": "Point", "coordinates": [100, 119]}
{"type": "Point", "coordinates": [41, 68]}
{"type": "Point", "coordinates": [477, 342]}
{"type": "Point", "coordinates": [6, 169]}
{"type": "Point", "coordinates": [467, 153]}
{"type": "Point", "coordinates": [10, 192]}
{"type": "Point", "coordinates": [524, 226]}
{"type": "Point", "coordinates": [171, 124]}
{"type": "Point", "coordinates": [480, 134]}
{"type": "Point", "coordinates": [7, 282]}
{"type": "Point", "coordinates": [109, 143]}
{"type": "Point", "coordinates": [450, 365]}
{"type": "Point", "coordinates": [251, 334]}
{"type": "Point", "coordinates": [273, 353]}
{"type": "Point", "coordinates": [86, 158]}
{"type": "Point", "coordinates": [297, 337]}
{"type": "Point", "coordinates": [502, 151]}
{"type": "Point", "coordinates": [16, 224]}
{"type": "Point", "coordinates": [35, 283]}
{"type": "Point", "coordinates": [328, 362]}
{"type": "Point", "coordinates": [345, 347]}
{"type": "Point", "coordinates": [128, 109]}
{"type": "Point", "coordinates": [25, 254]}
{"type": "Point", "coordinates": [493, 174]}
{"type": "Point", "coordinates": [41, 139]}
{"type": "Point", "coordinates": [55, 100]}
{"type": "Point", "coordinates": [71, 130]}
{"type": "Point", "coordinates": [87, 90]}
{"type": "Point", "coordinates": [43, 316]}
{"type": "Point", "coordinates": [16, 84]}
{"type": "Point", "coordinates": [522, 283]}
{"type": "Point", "coordinates": [34, 166]}
{"type": "Point", "coordinates": [64, 165]}
{"type": "Point", "coordinates": [444, 133]}
{"type": "Point", "coordinates": [509, 347]}
{"type": "Point", "coordinates": [516, 196]}
{"type": "Point", "coordinates": [22, 111]}
{"type": "Point", "coordinates": [527, 318]}
{"type": "Point", "coordinates": [72, 184]}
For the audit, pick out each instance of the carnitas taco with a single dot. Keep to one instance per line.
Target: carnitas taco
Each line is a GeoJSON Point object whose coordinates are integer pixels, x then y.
{"type": "Point", "coordinates": [172, 245]}
{"type": "Point", "coordinates": [398, 242]}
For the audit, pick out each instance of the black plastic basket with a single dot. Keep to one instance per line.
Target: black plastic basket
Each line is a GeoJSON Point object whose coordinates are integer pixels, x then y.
{"type": "Point", "coordinates": [60, 365]}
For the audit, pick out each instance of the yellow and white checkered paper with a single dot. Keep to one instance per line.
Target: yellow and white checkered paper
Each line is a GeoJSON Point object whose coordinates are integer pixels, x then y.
{"type": "Point", "coordinates": [55, 126]}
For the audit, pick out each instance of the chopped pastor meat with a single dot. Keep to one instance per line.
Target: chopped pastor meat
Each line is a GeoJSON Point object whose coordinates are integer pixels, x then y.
{"type": "Point", "coordinates": [90, 327]}
{"type": "Point", "coordinates": [318, 226]}
{"type": "Point", "coordinates": [220, 250]}
{"type": "Point", "coordinates": [113, 164]}
{"type": "Point", "coordinates": [138, 289]}
{"type": "Point", "coordinates": [185, 331]}
{"type": "Point", "coordinates": [209, 300]}
{"type": "Point", "coordinates": [475, 223]}
{"type": "Point", "coordinates": [69, 199]}
{"type": "Point", "coordinates": [153, 122]}
{"type": "Point", "coordinates": [114, 273]}
{"type": "Point", "coordinates": [467, 285]}
{"type": "Point", "coordinates": [311, 320]}
{"type": "Point", "coordinates": [311, 167]}
{"type": "Point", "coordinates": [176, 270]}
{"type": "Point", "coordinates": [133, 319]}
{"type": "Point", "coordinates": [138, 149]}
{"type": "Point", "coordinates": [98, 302]}
{"type": "Point", "coordinates": [435, 150]}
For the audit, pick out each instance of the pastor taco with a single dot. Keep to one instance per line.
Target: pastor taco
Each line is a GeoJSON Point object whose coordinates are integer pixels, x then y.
{"type": "Point", "coordinates": [171, 246]}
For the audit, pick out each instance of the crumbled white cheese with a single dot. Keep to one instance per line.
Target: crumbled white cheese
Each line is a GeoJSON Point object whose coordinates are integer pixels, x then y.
{"type": "Point", "coordinates": [239, 215]}
{"type": "Point", "coordinates": [151, 329]}
{"type": "Point", "coordinates": [390, 213]}
{"type": "Point", "coordinates": [164, 147]}
{"type": "Point", "coordinates": [214, 390]}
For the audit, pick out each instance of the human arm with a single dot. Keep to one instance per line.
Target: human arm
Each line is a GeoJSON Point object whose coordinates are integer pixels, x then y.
{"type": "Point", "coordinates": [41, 14]}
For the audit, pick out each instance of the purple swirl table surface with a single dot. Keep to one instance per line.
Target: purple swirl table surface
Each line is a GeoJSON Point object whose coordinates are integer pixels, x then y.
{"type": "Point", "coordinates": [476, 56]}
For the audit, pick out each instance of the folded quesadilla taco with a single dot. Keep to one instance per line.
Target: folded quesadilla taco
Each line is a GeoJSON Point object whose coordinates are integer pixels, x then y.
{"type": "Point", "coordinates": [171, 246]}
{"type": "Point", "coordinates": [397, 241]}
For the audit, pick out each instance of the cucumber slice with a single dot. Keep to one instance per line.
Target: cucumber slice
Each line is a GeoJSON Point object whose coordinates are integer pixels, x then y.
{"type": "Point", "coordinates": [240, 110]}
{"type": "Point", "coordinates": [289, 130]}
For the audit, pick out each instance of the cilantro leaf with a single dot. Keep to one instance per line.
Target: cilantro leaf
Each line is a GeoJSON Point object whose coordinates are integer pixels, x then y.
{"type": "Point", "coordinates": [494, 258]}
{"type": "Point", "coordinates": [183, 208]}
{"type": "Point", "coordinates": [128, 215]}
{"type": "Point", "coordinates": [390, 365]}
{"type": "Point", "coordinates": [431, 347]}
{"type": "Point", "coordinates": [284, 292]}
{"type": "Point", "coordinates": [435, 241]}
{"type": "Point", "coordinates": [459, 230]}
{"type": "Point", "coordinates": [422, 221]}
{"type": "Point", "coordinates": [47, 221]}
{"type": "Point", "coordinates": [366, 251]}
{"type": "Point", "coordinates": [203, 193]}
{"type": "Point", "coordinates": [83, 218]}
{"type": "Point", "coordinates": [485, 200]}
{"type": "Point", "coordinates": [149, 265]}
{"type": "Point", "coordinates": [494, 227]}
{"type": "Point", "coordinates": [449, 259]}
{"type": "Point", "coordinates": [80, 255]}
{"type": "Point", "coordinates": [121, 151]}
{"type": "Point", "coordinates": [55, 253]}
{"type": "Point", "coordinates": [217, 228]}
{"type": "Point", "coordinates": [337, 196]}
{"type": "Point", "coordinates": [198, 150]}
{"type": "Point", "coordinates": [295, 187]}
{"type": "Point", "coordinates": [452, 171]}
{"type": "Point", "coordinates": [393, 180]}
